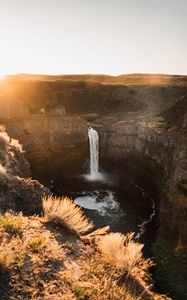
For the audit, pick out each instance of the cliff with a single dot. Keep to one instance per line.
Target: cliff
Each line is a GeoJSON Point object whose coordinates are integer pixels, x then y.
{"type": "Point", "coordinates": [18, 192]}
{"type": "Point", "coordinates": [52, 140]}
{"type": "Point", "coordinates": [158, 161]}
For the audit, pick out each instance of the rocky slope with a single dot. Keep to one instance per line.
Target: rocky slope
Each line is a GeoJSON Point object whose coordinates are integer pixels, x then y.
{"type": "Point", "coordinates": [47, 262]}
{"type": "Point", "coordinates": [18, 192]}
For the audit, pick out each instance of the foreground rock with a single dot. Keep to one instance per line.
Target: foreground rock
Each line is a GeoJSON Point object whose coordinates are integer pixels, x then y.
{"type": "Point", "coordinates": [17, 191]}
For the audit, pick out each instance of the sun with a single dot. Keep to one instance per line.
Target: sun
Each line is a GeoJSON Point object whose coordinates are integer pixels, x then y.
{"type": "Point", "coordinates": [2, 76]}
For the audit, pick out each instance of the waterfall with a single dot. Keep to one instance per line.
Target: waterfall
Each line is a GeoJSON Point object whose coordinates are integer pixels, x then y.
{"type": "Point", "coordinates": [94, 153]}
{"type": "Point", "coordinates": [94, 174]}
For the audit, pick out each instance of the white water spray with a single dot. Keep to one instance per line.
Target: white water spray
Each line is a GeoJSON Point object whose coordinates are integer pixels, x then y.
{"type": "Point", "coordinates": [142, 226]}
{"type": "Point", "coordinates": [94, 155]}
{"type": "Point", "coordinates": [94, 151]}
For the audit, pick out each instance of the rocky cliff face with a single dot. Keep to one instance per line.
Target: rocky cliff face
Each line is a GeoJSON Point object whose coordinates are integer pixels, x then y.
{"type": "Point", "coordinates": [149, 141]}
{"type": "Point", "coordinates": [52, 142]}
{"type": "Point", "coordinates": [159, 157]}
{"type": "Point", "coordinates": [18, 192]}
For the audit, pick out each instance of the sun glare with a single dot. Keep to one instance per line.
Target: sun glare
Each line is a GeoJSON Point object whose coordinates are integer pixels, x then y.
{"type": "Point", "coordinates": [2, 76]}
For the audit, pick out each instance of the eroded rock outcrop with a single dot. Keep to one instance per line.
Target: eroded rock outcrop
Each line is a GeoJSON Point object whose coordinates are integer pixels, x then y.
{"type": "Point", "coordinates": [18, 192]}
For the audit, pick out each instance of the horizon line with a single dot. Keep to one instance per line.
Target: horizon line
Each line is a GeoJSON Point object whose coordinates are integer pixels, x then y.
{"type": "Point", "coordinates": [96, 74]}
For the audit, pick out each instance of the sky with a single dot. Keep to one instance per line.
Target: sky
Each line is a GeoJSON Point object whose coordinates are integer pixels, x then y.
{"type": "Point", "coordinates": [93, 36]}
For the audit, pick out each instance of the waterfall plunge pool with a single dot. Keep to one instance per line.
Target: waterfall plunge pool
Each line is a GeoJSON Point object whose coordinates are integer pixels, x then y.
{"type": "Point", "coordinates": [124, 207]}
{"type": "Point", "coordinates": [110, 199]}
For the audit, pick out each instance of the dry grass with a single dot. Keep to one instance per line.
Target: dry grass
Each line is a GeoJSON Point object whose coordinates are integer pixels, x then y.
{"type": "Point", "coordinates": [103, 285]}
{"type": "Point", "coordinates": [55, 275]}
{"type": "Point", "coordinates": [37, 244]}
{"type": "Point", "coordinates": [122, 252]}
{"type": "Point", "coordinates": [65, 212]}
{"type": "Point", "coordinates": [12, 224]}
{"type": "Point", "coordinates": [110, 290]}
{"type": "Point", "coordinates": [11, 252]}
{"type": "Point", "coordinates": [106, 288]}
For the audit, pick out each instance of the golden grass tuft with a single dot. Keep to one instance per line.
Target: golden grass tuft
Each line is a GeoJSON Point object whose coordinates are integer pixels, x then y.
{"type": "Point", "coordinates": [105, 289]}
{"type": "Point", "coordinates": [122, 252]}
{"type": "Point", "coordinates": [110, 290]}
{"type": "Point", "coordinates": [12, 224]}
{"type": "Point", "coordinates": [65, 212]}
{"type": "Point", "coordinates": [37, 244]}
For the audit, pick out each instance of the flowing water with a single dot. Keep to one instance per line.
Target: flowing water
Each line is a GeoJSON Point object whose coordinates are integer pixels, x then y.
{"type": "Point", "coordinates": [94, 152]}
{"type": "Point", "coordinates": [94, 174]}
{"type": "Point", "coordinates": [108, 199]}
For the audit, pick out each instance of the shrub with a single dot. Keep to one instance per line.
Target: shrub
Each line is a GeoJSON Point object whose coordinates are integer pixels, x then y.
{"type": "Point", "coordinates": [110, 290]}
{"type": "Point", "coordinates": [12, 224]}
{"type": "Point", "coordinates": [122, 252]}
{"type": "Point", "coordinates": [7, 256]}
{"type": "Point", "coordinates": [4, 140]}
{"type": "Point", "coordinates": [106, 289]}
{"type": "Point", "coordinates": [37, 244]}
{"type": "Point", "coordinates": [82, 293]}
{"type": "Point", "coordinates": [65, 212]}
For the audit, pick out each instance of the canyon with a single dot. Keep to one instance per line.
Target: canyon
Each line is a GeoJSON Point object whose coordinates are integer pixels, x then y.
{"type": "Point", "coordinates": [141, 121]}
